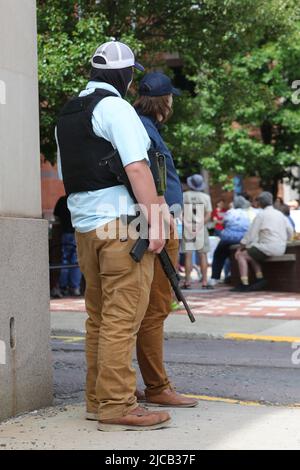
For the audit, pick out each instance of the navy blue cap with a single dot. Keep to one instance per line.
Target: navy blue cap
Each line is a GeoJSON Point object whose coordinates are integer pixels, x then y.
{"type": "Point", "coordinates": [157, 84]}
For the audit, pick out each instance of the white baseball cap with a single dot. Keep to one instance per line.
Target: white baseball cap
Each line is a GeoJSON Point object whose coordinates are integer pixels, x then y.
{"type": "Point", "coordinates": [114, 55]}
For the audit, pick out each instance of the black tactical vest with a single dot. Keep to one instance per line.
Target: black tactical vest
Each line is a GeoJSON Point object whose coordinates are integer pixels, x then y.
{"type": "Point", "coordinates": [81, 150]}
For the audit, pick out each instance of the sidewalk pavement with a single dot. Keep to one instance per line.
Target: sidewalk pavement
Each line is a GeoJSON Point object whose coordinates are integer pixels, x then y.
{"type": "Point", "coordinates": [219, 314]}
{"type": "Point", "coordinates": [211, 426]}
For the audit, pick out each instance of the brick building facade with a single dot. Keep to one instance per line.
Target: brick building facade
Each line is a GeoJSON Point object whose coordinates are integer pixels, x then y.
{"type": "Point", "coordinates": [52, 188]}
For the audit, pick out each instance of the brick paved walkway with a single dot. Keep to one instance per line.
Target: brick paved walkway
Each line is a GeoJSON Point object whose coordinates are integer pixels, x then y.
{"type": "Point", "coordinates": [220, 302]}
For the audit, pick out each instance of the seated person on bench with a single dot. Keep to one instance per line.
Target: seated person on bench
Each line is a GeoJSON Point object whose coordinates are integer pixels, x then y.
{"type": "Point", "coordinates": [267, 236]}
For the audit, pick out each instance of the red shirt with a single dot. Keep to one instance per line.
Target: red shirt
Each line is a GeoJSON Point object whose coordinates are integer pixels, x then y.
{"type": "Point", "coordinates": [219, 215]}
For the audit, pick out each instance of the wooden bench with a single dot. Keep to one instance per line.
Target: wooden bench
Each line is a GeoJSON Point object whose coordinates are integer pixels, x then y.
{"type": "Point", "coordinates": [281, 259]}
{"type": "Point", "coordinates": [281, 272]}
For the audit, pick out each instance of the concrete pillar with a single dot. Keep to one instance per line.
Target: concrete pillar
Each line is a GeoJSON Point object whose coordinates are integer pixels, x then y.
{"type": "Point", "coordinates": [25, 363]}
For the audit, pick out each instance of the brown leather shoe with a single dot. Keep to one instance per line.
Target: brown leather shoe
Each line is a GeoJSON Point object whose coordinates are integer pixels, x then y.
{"type": "Point", "coordinates": [169, 397]}
{"type": "Point", "coordinates": [93, 415]}
{"type": "Point", "coordinates": [138, 419]}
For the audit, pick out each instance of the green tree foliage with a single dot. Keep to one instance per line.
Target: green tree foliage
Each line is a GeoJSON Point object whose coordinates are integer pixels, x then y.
{"type": "Point", "coordinates": [253, 91]}
{"type": "Point", "coordinates": [241, 55]}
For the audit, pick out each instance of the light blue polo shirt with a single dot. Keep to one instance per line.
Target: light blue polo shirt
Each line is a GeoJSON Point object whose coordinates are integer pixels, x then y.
{"type": "Point", "coordinates": [115, 120]}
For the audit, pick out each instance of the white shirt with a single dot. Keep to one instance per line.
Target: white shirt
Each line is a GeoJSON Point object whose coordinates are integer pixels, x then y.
{"type": "Point", "coordinates": [269, 232]}
{"type": "Point", "coordinates": [115, 120]}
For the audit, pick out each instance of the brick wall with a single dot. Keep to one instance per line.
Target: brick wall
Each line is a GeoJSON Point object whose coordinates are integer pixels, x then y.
{"type": "Point", "coordinates": [52, 187]}
{"type": "Point", "coordinates": [251, 186]}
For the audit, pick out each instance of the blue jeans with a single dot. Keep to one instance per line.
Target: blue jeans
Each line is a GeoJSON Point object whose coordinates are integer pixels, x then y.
{"type": "Point", "coordinates": [217, 233]}
{"type": "Point", "coordinates": [69, 277]}
{"type": "Point", "coordinates": [227, 268]}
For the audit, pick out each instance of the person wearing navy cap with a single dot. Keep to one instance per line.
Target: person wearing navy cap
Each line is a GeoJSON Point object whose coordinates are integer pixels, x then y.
{"type": "Point", "coordinates": [154, 107]}
{"type": "Point", "coordinates": [157, 84]}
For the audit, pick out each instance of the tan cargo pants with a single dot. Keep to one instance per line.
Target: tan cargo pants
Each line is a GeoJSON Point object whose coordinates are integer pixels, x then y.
{"type": "Point", "coordinates": [117, 297]}
{"type": "Point", "coordinates": [150, 340]}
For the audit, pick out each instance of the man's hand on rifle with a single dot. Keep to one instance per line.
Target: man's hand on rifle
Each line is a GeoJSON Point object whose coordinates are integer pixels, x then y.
{"type": "Point", "coordinates": [142, 183]}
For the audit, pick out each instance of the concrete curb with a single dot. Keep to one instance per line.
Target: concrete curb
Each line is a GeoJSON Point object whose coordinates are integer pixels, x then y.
{"type": "Point", "coordinates": [201, 336]}
{"type": "Point", "coordinates": [177, 335]}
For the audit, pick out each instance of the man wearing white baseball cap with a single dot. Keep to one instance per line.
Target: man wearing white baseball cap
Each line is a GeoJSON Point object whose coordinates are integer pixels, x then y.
{"type": "Point", "coordinates": [114, 55]}
{"type": "Point", "coordinates": [117, 289]}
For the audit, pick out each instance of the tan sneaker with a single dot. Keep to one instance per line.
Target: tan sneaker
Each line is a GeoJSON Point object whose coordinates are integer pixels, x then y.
{"type": "Point", "coordinates": [171, 398]}
{"type": "Point", "coordinates": [138, 419]}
